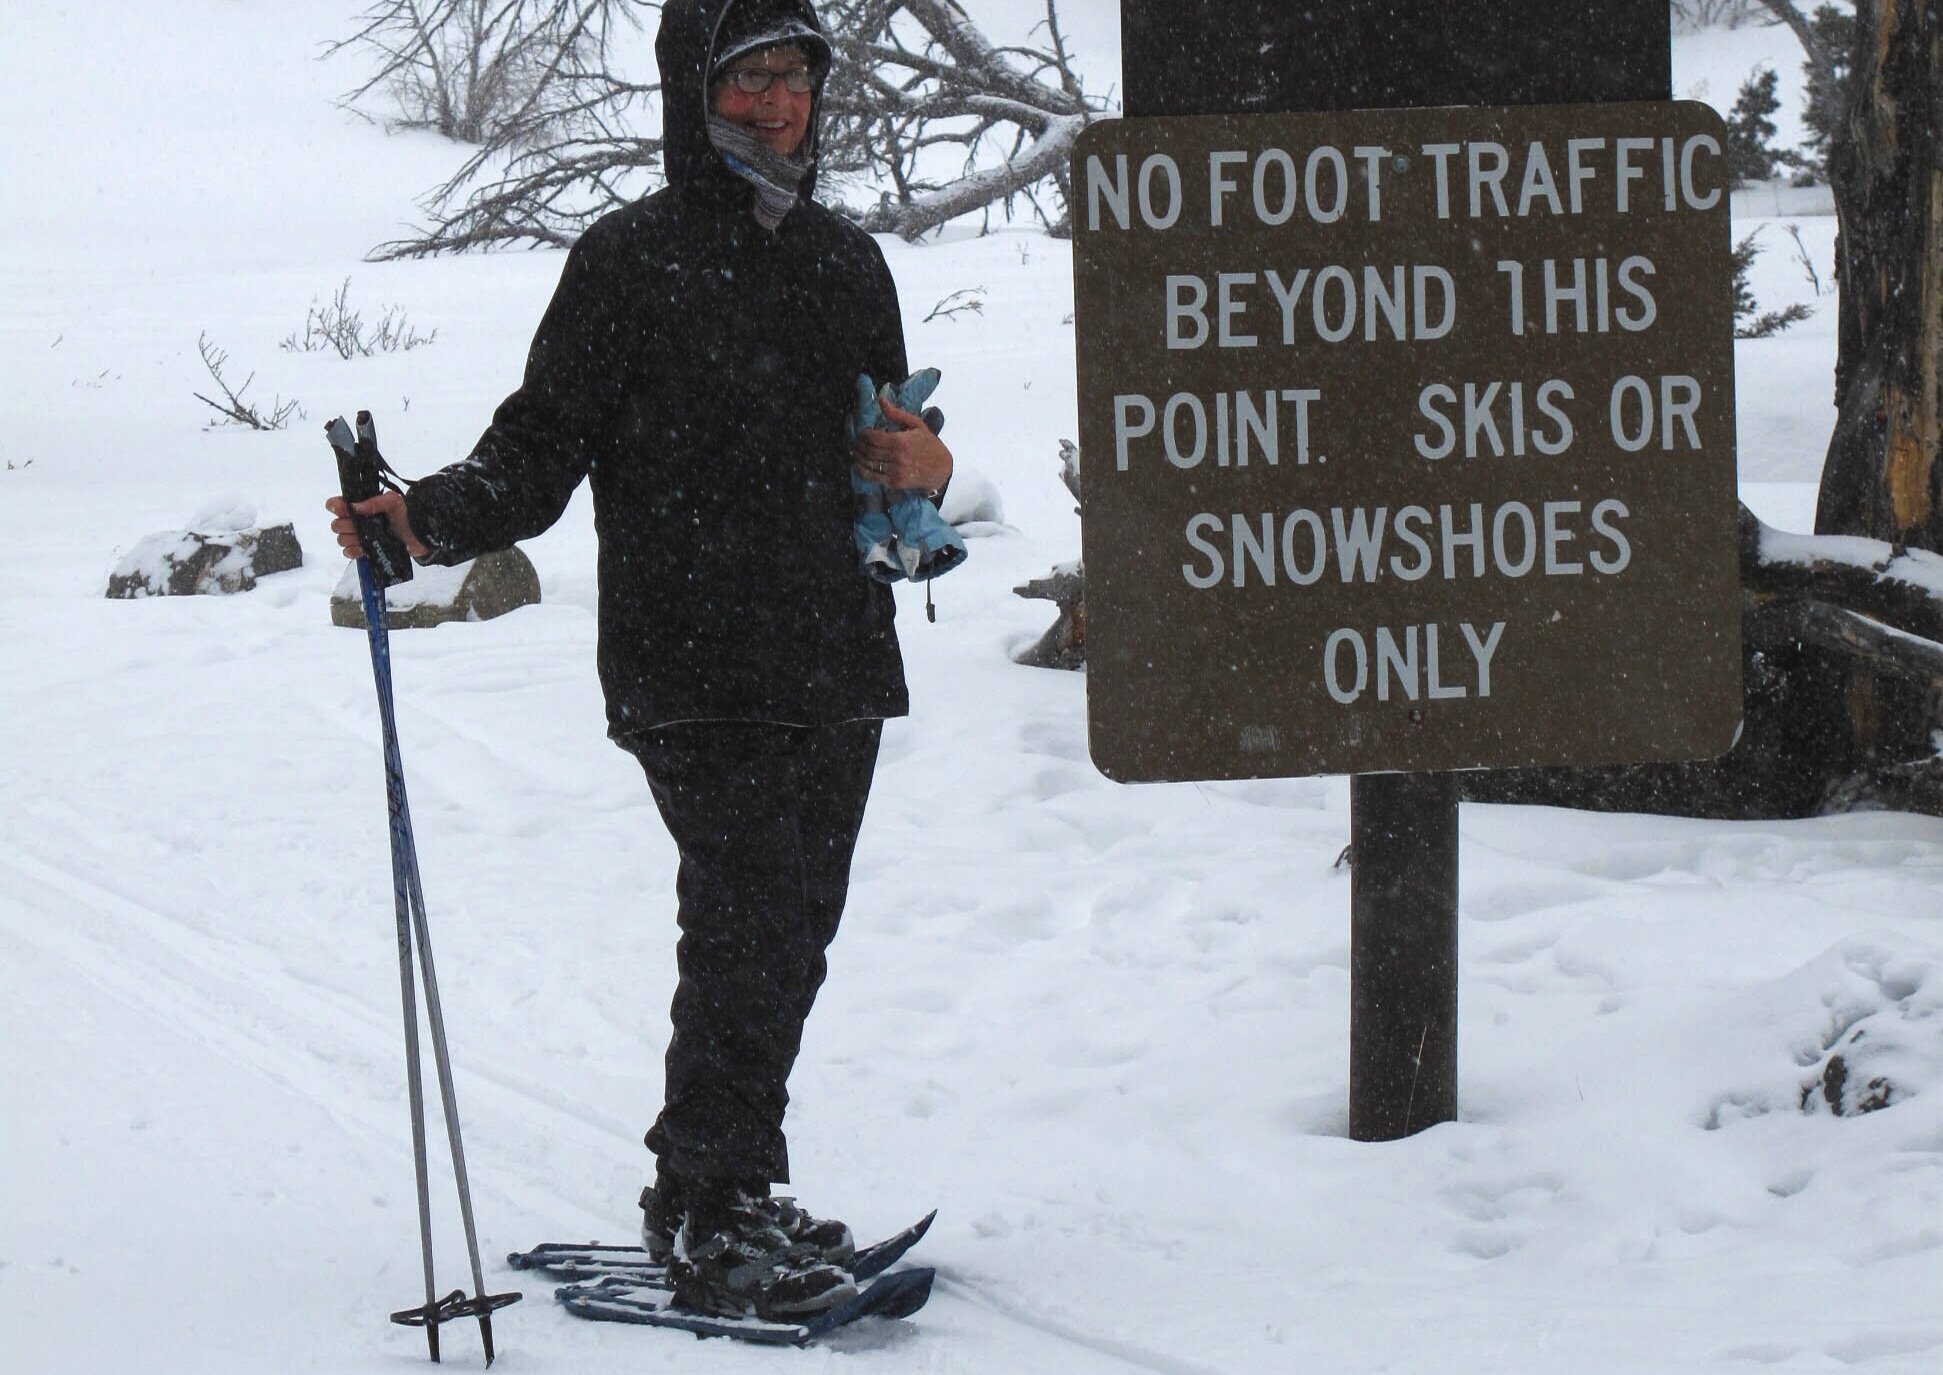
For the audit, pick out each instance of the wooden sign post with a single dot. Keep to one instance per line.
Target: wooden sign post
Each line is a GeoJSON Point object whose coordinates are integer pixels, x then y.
{"type": "Point", "coordinates": [1406, 384]}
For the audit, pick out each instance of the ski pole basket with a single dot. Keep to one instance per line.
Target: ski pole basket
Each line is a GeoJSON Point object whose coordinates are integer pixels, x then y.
{"type": "Point", "coordinates": [453, 1306]}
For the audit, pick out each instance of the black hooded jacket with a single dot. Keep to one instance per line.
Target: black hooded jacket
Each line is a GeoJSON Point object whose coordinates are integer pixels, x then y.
{"type": "Point", "coordinates": [698, 368]}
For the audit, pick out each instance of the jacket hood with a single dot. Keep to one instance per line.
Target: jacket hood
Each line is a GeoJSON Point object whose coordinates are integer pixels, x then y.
{"type": "Point", "coordinates": [685, 50]}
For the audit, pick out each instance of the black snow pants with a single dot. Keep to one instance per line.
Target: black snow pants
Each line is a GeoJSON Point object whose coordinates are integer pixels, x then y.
{"type": "Point", "coordinates": [766, 818]}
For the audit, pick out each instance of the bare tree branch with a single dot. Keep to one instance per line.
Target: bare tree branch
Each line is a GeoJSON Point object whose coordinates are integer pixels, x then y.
{"type": "Point", "coordinates": [233, 409]}
{"type": "Point", "coordinates": [985, 187]}
{"type": "Point", "coordinates": [1821, 62]}
{"type": "Point", "coordinates": [916, 76]}
{"type": "Point", "coordinates": [544, 200]}
{"type": "Point", "coordinates": [914, 82]}
{"type": "Point", "coordinates": [475, 70]}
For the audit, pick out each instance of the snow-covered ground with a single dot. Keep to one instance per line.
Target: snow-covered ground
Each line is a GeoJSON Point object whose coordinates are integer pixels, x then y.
{"type": "Point", "coordinates": [1103, 1029]}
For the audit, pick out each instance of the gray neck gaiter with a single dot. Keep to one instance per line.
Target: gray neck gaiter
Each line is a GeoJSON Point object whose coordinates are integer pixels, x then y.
{"type": "Point", "coordinates": [775, 177]}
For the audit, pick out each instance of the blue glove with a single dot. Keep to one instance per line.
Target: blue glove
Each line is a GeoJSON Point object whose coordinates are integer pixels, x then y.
{"type": "Point", "coordinates": [900, 534]}
{"type": "Point", "coordinates": [925, 545]}
{"type": "Point", "coordinates": [910, 394]}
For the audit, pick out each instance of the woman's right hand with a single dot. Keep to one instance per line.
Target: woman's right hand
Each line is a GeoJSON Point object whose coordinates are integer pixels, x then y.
{"type": "Point", "coordinates": [390, 505]}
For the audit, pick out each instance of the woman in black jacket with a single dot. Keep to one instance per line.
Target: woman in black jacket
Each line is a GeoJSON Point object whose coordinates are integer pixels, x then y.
{"type": "Point", "coordinates": [697, 365]}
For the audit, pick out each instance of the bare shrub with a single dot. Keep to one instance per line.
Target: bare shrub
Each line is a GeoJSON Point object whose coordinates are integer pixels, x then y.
{"type": "Point", "coordinates": [971, 298]}
{"type": "Point", "coordinates": [338, 328]}
{"type": "Point", "coordinates": [233, 409]}
{"type": "Point", "coordinates": [1690, 16]}
{"type": "Point", "coordinates": [479, 71]}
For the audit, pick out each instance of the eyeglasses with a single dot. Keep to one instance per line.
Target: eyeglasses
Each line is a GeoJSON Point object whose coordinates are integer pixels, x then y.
{"type": "Point", "coordinates": [756, 80]}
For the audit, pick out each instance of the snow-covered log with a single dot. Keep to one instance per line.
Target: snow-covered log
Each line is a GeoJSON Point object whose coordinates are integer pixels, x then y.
{"type": "Point", "coordinates": [1064, 643]}
{"type": "Point", "coordinates": [1818, 612]}
{"type": "Point", "coordinates": [1898, 588]}
{"type": "Point", "coordinates": [1047, 156]}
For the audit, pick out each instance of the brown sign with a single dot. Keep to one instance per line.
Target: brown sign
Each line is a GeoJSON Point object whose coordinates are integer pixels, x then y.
{"type": "Point", "coordinates": [1409, 440]}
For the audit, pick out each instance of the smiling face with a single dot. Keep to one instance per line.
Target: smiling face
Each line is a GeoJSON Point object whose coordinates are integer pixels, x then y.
{"type": "Point", "coordinates": [778, 117]}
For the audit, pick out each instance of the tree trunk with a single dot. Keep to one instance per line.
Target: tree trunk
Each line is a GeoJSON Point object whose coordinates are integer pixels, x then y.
{"type": "Point", "coordinates": [1881, 475]}
{"type": "Point", "coordinates": [1880, 478]}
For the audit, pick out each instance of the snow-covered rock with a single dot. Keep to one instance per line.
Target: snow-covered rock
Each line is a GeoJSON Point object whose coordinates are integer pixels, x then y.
{"type": "Point", "coordinates": [202, 561]}
{"type": "Point", "coordinates": [488, 586]}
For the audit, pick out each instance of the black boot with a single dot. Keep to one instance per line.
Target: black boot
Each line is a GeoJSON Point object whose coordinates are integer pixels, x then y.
{"type": "Point", "coordinates": [733, 1260]}
{"type": "Point", "coordinates": [663, 1203]}
{"type": "Point", "coordinates": [661, 1209]}
{"type": "Point", "coordinates": [826, 1236]}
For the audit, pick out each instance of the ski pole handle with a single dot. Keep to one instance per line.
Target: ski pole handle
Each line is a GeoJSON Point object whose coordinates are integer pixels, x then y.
{"type": "Point", "coordinates": [359, 469]}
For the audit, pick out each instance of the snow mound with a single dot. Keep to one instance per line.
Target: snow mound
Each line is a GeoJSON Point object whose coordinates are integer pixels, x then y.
{"type": "Point", "coordinates": [224, 515]}
{"type": "Point", "coordinates": [1855, 1030]}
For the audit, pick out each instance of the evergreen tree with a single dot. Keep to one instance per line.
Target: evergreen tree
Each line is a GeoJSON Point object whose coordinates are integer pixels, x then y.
{"type": "Point", "coordinates": [1834, 31]}
{"type": "Point", "coordinates": [1751, 156]}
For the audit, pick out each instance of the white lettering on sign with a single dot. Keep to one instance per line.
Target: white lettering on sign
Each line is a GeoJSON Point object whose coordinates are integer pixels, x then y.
{"type": "Point", "coordinates": [1550, 433]}
{"type": "Point", "coordinates": [1538, 182]}
{"type": "Point", "coordinates": [1187, 320]}
{"type": "Point", "coordinates": [1331, 304]}
{"type": "Point", "coordinates": [1324, 184]}
{"type": "Point", "coordinates": [1187, 311]}
{"type": "Point", "coordinates": [1389, 660]}
{"type": "Point", "coordinates": [1586, 289]}
{"type": "Point", "coordinates": [1219, 183]}
{"type": "Point", "coordinates": [1157, 187]}
{"type": "Point", "coordinates": [1325, 174]}
{"type": "Point", "coordinates": [1475, 179]}
{"type": "Point", "coordinates": [1156, 218]}
{"type": "Point", "coordinates": [1322, 187]}
{"type": "Point", "coordinates": [1243, 423]}
{"type": "Point", "coordinates": [1701, 143]}
{"type": "Point", "coordinates": [1632, 411]}
{"type": "Point", "coordinates": [1362, 544]}
{"type": "Point", "coordinates": [1625, 172]}
{"type": "Point", "coordinates": [1483, 179]}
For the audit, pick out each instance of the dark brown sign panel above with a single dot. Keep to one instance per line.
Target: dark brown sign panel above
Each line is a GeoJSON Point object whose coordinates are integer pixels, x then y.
{"type": "Point", "coordinates": [1409, 440]}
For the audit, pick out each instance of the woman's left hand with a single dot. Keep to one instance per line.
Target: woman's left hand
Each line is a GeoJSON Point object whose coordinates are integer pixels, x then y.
{"type": "Point", "coordinates": [910, 458]}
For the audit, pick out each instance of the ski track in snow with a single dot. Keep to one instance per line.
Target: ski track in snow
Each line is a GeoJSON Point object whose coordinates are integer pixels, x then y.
{"type": "Point", "coordinates": [1120, 1352]}
{"type": "Point", "coordinates": [253, 1009]}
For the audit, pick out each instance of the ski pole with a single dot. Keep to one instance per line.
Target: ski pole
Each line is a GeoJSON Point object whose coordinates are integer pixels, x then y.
{"type": "Point", "coordinates": [360, 470]}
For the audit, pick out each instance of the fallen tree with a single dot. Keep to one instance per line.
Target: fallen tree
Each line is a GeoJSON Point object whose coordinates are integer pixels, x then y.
{"type": "Point", "coordinates": [920, 104]}
{"type": "Point", "coordinates": [916, 77]}
{"type": "Point", "coordinates": [1817, 610]}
